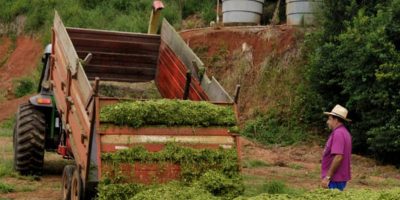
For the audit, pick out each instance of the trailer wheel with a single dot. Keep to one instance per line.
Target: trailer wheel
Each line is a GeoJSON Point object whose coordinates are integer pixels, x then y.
{"type": "Point", "coordinates": [66, 181]}
{"type": "Point", "coordinates": [76, 186]}
{"type": "Point", "coordinates": [29, 140]}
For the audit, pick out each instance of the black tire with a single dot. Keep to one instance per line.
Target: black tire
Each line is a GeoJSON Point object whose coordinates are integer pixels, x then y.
{"type": "Point", "coordinates": [66, 181]}
{"type": "Point", "coordinates": [29, 140]}
{"type": "Point", "coordinates": [76, 186]}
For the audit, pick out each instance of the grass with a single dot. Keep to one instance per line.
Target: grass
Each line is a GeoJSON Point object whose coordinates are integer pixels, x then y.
{"type": "Point", "coordinates": [121, 15]}
{"type": "Point", "coordinates": [295, 166]}
{"type": "Point", "coordinates": [6, 188]}
{"type": "Point", "coordinates": [255, 185]}
{"type": "Point", "coordinates": [271, 128]}
{"type": "Point", "coordinates": [255, 164]}
{"type": "Point", "coordinates": [6, 167]}
{"type": "Point", "coordinates": [6, 127]}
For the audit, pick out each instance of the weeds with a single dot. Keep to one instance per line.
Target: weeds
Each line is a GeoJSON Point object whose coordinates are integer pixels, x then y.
{"type": "Point", "coordinates": [6, 188]}
{"type": "Point", "coordinates": [255, 164]}
{"type": "Point", "coordinates": [272, 129]}
{"type": "Point", "coordinates": [24, 86]}
{"type": "Point", "coordinates": [6, 127]}
{"type": "Point", "coordinates": [6, 167]}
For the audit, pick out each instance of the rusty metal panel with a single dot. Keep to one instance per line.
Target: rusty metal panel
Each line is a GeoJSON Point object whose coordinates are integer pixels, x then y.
{"type": "Point", "coordinates": [71, 91]}
{"type": "Point", "coordinates": [171, 77]}
{"type": "Point", "coordinates": [117, 56]}
{"type": "Point", "coordinates": [213, 90]}
{"type": "Point", "coordinates": [71, 56]}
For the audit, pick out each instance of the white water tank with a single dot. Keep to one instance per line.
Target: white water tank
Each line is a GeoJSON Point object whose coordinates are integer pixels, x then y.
{"type": "Point", "coordinates": [242, 11]}
{"type": "Point", "coordinates": [302, 12]}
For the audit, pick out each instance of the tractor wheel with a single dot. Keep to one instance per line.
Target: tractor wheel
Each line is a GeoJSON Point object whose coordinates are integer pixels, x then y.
{"type": "Point", "coordinates": [76, 186]}
{"type": "Point", "coordinates": [66, 181]}
{"type": "Point", "coordinates": [29, 140]}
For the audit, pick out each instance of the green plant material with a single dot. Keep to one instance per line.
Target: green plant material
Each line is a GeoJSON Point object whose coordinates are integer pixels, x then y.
{"type": "Point", "coordinates": [24, 86]}
{"type": "Point", "coordinates": [6, 188]}
{"type": "Point", "coordinates": [275, 187]}
{"type": "Point", "coordinates": [121, 15]}
{"type": "Point", "coordinates": [168, 112]}
{"type": "Point", "coordinates": [6, 127]}
{"type": "Point", "coordinates": [360, 194]}
{"type": "Point", "coordinates": [204, 173]}
{"type": "Point", "coordinates": [174, 191]}
{"type": "Point", "coordinates": [118, 191]}
{"type": "Point", "coordinates": [193, 162]}
{"type": "Point", "coordinates": [354, 61]}
{"type": "Point", "coordinates": [295, 166]}
{"type": "Point", "coordinates": [255, 164]}
{"type": "Point", "coordinates": [6, 167]}
{"type": "Point", "coordinates": [220, 185]}
{"type": "Point", "coordinates": [273, 129]}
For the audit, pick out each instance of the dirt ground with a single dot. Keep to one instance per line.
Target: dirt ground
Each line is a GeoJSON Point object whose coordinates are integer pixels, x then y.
{"type": "Point", "coordinates": [17, 59]}
{"type": "Point", "coordinates": [262, 41]}
{"type": "Point", "coordinates": [299, 167]}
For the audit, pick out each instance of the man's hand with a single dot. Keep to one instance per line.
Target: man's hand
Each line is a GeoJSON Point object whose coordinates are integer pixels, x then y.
{"type": "Point", "coordinates": [325, 183]}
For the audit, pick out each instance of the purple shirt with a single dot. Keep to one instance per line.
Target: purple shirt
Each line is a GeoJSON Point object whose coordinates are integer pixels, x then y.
{"type": "Point", "coordinates": [339, 142]}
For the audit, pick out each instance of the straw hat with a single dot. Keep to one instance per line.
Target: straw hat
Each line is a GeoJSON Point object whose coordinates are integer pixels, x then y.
{"type": "Point", "coordinates": [339, 111]}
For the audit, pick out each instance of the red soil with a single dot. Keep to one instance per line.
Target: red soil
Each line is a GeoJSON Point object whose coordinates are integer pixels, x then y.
{"type": "Point", "coordinates": [263, 40]}
{"type": "Point", "coordinates": [21, 62]}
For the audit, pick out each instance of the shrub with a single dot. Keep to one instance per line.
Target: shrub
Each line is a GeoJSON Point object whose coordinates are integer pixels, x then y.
{"type": "Point", "coordinates": [273, 129]}
{"type": "Point", "coordinates": [6, 188]}
{"type": "Point", "coordinates": [24, 86]}
{"type": "Point", "coordinates": [355, 62]}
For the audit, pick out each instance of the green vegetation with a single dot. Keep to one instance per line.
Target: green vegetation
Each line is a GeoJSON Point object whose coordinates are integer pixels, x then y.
{"type": "Point", "coordinates": [193, 163]}
{"type": "Point", "coordinates": [120, 191]}
{"type": "Point", "coordinates": [6, 127]}
{"type": "Point", "coordinates": [24, 86]}
{"type": "Point", "coordinates": [274, 129]}
{"type": "Point", "coordinates": [6, 188]}
{"type": "Point", "coordinates": [168, 112]}
{"type": "Point", "coordinates": [6, 167]}
{"type": "Point", "coordinates": [255, 164]}
{"type": "Point", "coordinates": [174, 191]}
{"type": "Point", "coordinates": [214, 171]}
{"type": "Point", "coordinates": [332, 194]}
{"type": "Point", "coordinates": [122, 15]}
{"type": "Point", "coordinates": [276, 187]}
{"type": "Point", "coordinates": [354, 60]}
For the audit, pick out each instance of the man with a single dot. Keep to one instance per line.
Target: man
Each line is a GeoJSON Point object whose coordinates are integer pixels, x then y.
{"type": "Point", "coordinates": [336, 159]}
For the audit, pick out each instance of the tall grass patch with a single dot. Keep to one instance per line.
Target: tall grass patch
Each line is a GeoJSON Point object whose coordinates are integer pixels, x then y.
{"type": "Point", "coordinates": [6, 188]}
{"type": "Point", "coordinates": [121, 15]}
{"type": "Point", "coordinates": [273, 129]}
{"type": "Point", "coordinates": [6, 127]}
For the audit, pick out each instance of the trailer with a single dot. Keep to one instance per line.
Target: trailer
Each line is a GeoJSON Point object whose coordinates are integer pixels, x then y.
{"type": "Point", "coordinates": [64, 115]}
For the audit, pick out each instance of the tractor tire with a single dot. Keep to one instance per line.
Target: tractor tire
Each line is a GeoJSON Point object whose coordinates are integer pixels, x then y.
{"type": "Point", "coordinates": [29, 140]}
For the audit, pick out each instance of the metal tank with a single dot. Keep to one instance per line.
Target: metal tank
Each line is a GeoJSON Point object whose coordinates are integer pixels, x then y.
{"type": "Point", "coordinates": [302, 12]}
{"type": "Point", "coordinates": [242, 11]}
